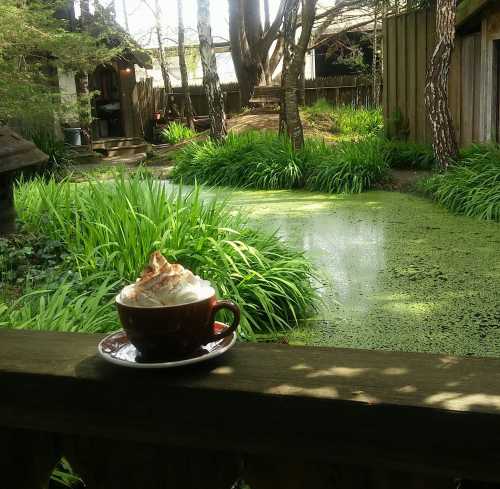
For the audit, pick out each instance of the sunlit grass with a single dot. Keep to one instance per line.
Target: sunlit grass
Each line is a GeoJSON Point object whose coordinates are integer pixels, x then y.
{"type": "Point", "coordinates": [112, 228]}
{"type": "Point", "coordinates": [176, 132]}
{"type": "Point", "coordinates": [472, 186]}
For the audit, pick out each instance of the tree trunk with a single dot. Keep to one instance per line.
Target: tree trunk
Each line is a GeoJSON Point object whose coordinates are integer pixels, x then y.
{"type": "Point", "coordinates": [250, 44]}
{"type": "Point", "coordinates": [82, 84]}
{"type": "Point", "coordinates": [161, 57]}
{"type": "Point", "coordinates": [188, 106]}
{"type": "Point", "coordinates": [301, 94]}
{"type": "Point", "coordinates": [374, 59]}
{"type": "Point", "coordinates": [125, 15]}
{"type": "Point", "coordinates": [210, 77]}
{"type": "Point", "coordinates": [293, 61]}
{"type": "Point", "coordinates": [436, 91]}
{"type": "Point", "coordinates": [248, 69]}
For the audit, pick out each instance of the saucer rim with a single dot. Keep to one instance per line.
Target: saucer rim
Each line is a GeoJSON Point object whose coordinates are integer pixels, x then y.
{"type": "Point", "coordinates": [168, 364]}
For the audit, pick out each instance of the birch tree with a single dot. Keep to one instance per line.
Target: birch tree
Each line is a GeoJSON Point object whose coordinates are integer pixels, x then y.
{"type": "Point", "coordinates": [210, 77]}
{"type": "Point", "coordinates": [444, 140]}
{"type": "Point", "coordinates": [188, 106]}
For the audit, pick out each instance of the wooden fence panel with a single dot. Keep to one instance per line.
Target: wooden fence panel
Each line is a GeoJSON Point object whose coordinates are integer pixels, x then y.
{"type": "Point", "coordinates": [339, 90]}
{"type": "Point", "coordinates": [409, 44]}
{"type": "Point", "coordinates": [410, 39]}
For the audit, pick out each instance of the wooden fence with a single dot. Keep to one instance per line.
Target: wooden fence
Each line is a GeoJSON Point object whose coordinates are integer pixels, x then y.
{"type": "Point", "coordinates": [409, 40]}
{"type": "Point", "coordinates": [277, 416]}
{"type": "Point", "coordinates": [339, 90]}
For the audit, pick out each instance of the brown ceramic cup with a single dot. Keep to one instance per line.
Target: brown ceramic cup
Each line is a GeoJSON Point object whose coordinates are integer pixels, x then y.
{"type": "Point", "coordinates": [164, 332]}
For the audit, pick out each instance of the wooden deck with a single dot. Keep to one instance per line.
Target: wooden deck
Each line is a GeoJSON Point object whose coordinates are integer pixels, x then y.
{"type": "Point", "coordinates": [276, 415]}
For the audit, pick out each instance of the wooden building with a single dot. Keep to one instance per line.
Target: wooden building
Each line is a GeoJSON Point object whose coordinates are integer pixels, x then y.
{"type": "Point", "coordinates": [474, 87]}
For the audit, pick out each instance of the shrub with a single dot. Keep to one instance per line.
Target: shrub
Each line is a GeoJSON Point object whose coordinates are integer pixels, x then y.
{"type": "Point", "coordinates": [350, 120]}
{"type": "Point", "coordinates": [176, 132]}
{"type": "Point", "coordinates": [253, 159]}
{"type": "Point", "coordinates": [472, 186]}
{"type": "Point", "coordinates": [112, 227]}
{"type": "Point", "coordinates": [345, 119]}
{"type": "Point", "coordinates": [346, 167]}
{"type": "Point", "coordinates": [407, 155]}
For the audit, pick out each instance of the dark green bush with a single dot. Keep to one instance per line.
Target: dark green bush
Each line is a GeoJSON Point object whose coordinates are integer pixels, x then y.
{"type": "Point", "coordinates": [407, 155]}
{"type": "Point", "coordinates": [472, 186]}
{"type": "Point", "coordinates": [267, 161]}
{"type": "Point", "coordinates": [253, 159]}
{"type": "Point", "coordinates": [347, 167]}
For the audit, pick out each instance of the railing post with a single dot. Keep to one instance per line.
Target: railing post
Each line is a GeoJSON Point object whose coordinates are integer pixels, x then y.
{"type": "Point", "coordinates": [27, 458]}
{"type": "Point", "coordinates": [110, 464]}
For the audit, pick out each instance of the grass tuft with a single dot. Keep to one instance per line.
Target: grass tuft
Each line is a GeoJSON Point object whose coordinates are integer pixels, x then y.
{"type": "Point", "coordinates": [346, 167]}
{"type": "Point", "coordinates": [472, 186]}
{"type": "Point", "coordinates": [409, 156]}
{"type": "Point", "coordinates": [176, 132]}
{"type": "Point", "coordinates": [261, 160]}
{"type": "Point", "coordinates": [112, 227]}
{"type": "Point", "coordinates": [345, 120]}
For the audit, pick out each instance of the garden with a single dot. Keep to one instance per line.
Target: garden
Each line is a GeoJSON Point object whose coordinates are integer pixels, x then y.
{"type": "Point", "coordinates": [318, 245]}
{"type": "Point", "coordinates": [314, 186]}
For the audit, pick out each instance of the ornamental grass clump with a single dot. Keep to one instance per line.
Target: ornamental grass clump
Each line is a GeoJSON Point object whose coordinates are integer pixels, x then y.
{"type": "Point", "coordinates": [346, 167]}
{"type": "Point", "coordinates": [410, 156]}
{"type": "Point", "coordinates": [112, 227]}
{"type": "Point", "coordinates": [176, 132]}
{"type": "Point", "coordinates": [261, 160]}
{"type": "Point", "coordinates": [357, 121]}
{"type": "Point", "coordinates": [472, 186]}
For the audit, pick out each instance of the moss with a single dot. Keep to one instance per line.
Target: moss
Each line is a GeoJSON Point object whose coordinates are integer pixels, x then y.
{"type": "Point", "coordinates": [400, 273]}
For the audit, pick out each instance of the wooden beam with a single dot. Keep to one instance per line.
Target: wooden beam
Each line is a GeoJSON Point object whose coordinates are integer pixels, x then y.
{"type": "Point", "coordinates": [468, 8]}
{"type": "Point", "coordinates": [426, 413]}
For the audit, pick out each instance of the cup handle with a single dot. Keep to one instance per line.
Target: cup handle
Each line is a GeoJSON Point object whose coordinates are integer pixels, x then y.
{"type": "Point", "coordinates": [236, 321]}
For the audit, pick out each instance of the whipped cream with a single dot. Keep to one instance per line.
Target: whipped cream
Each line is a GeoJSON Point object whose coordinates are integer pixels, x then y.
{"type": "Point", "coordinates": [165, 284]}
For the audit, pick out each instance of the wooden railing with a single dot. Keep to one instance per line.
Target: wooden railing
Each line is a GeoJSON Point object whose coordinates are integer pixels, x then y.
{"type": "Point", "coordinates": [273, 415]}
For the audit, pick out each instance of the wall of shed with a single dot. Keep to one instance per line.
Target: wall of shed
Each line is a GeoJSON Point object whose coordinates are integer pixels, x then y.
{"type": "Point", "coordinates": [409, 40]}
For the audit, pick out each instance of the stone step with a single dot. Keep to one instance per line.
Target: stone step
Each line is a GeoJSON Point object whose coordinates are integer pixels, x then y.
{"type": "Point", "coordinates": [130, 149]}
{"type": "Point", "coordinates": [111, 143]}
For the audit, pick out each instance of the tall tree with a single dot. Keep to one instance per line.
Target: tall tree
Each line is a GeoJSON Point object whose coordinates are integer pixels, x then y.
{"type": "Point", "coordinates": [444, 140]}
{"type": "Point", "coordinates": [156, 11]}
{"type": "Point", "coordinates": [161, 51]}
{"type": "Point", "coordinates": [188, 106]}
{"type": "Point", "coordinates": [125, 14]}
{"type": "Point", "coordinates": [293, 61]}
{"type": "Point", "coordinates": [210, 77]}
{"type": "Point", "coordinates": [82, 83]}
{"type": "Point", "coordinates": [251, 44]}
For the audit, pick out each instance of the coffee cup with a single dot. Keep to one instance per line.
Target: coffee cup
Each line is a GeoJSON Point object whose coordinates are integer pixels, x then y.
{"type": "Point", "coordinates": [163, 332]}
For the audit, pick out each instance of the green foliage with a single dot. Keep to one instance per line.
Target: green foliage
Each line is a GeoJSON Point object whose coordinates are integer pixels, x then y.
{"type": "Point", "coordinates": [357, 121]}
{"type": "Point", "coordinates": [30, 259]}
{"type": "Point", "coordinates": [70, 306]}
{"type": "Point", "coordinates": [345, 119]}
{"type": "Point", "coordinates": [112, 227]}
{"type": "Point", "coordinates": [33, 43]}
{"type": "Point", "coordinates": [398, 126]}
{"type": "Point", "coordinates": [406, 155]}
{"type": "Point", "coordinates": [265, 160]}
{"type": "Point", "coordinates": [346, 167]}
{"type": "Point", "coordinates": [472, 186]}
{"type": "Point", "coordinates": [253, 159]}
{"type": "Point", "coordinates": [176, 132]}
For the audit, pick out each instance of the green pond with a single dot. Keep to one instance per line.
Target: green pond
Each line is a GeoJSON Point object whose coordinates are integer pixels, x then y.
{"type": "Point", "coordinates": [398, 271]}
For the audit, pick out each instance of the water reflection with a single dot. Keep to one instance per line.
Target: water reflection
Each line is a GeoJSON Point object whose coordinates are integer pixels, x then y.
{"type": "Point", "coordinates": [398, 272]}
